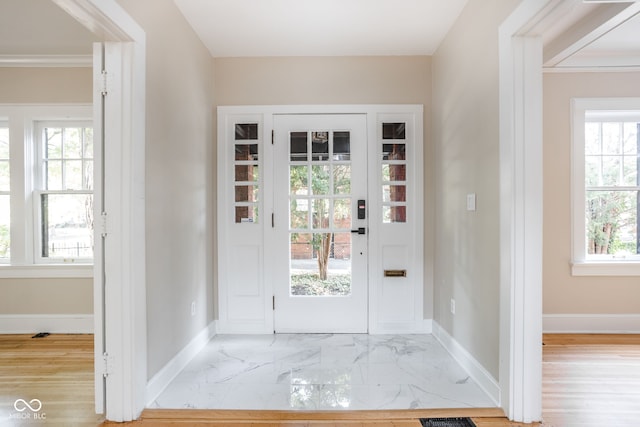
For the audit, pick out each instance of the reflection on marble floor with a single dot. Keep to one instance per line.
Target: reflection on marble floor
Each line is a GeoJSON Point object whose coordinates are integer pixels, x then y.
{"type": "Point", "coordinates": [323, 372]}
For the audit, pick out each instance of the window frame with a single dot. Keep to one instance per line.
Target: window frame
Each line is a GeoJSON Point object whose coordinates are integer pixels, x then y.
{"type": "Point", "coordinates": [4, 123]}
{"type": "Point", "coordinates": [38, 188]}
{"type": "Point", "coordinates": [22, 121]}
{"type": "Point", "coordinates": [620, 108]}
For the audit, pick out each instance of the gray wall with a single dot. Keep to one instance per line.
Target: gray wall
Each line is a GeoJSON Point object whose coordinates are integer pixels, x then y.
{"type": "Point", "coordinates": [178, 186]}
{"type": "Point", "coordinates": [466, 160]}
{"type": "Point", "coordinates": [338, 80]}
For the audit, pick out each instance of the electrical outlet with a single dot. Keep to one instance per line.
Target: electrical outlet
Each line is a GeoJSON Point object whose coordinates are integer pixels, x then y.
{"type": "Point", "coordinates": [453, 306]}
{"type": "Point", "coordinates": [193, 308]}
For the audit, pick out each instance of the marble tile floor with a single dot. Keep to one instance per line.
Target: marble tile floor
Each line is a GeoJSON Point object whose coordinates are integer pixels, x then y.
{"type": "Point", "coordinates": [323, 372]}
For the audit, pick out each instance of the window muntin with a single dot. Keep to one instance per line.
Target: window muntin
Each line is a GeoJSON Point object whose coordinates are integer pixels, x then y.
{"type": "Point", "coordinates": [64, 191]}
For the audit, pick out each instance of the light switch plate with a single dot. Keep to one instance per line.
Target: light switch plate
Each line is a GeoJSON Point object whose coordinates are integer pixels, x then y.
{"type": "Point", "coordinates": [471, 202]}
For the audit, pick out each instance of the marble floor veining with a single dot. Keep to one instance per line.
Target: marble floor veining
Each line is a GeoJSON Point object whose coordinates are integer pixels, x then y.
{"type": "Point", "coordinates": [323, 372]}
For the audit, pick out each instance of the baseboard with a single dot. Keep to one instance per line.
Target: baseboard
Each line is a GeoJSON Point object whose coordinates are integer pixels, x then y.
{"type": "Point", "coordinates": [477, 372]}
{"type": "Point", "coordinates": [163, 378]}
{"type": "Point", "coordinates": [591, 323]}
{"type": "Point", "coordinates": [390, 328]}
{"type": "Point", "coordinates": [52, 323]}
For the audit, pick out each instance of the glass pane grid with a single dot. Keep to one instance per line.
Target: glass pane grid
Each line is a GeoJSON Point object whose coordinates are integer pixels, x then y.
{"type": "Point", "coordinates": [612, 187]}
{"type": "Point", "coordinates": [394, 173]}
{"type": "Point", "coordinates": [246, 169]}
{"type": "Point", "coordinates": [320, 208]}
{"type": "Point", "coordinates": [67, 158]}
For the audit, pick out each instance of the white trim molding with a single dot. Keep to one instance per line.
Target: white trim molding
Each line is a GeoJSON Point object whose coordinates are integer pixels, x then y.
{"type": "Point", "coordinates": [52, 323]}
{"type": "Point", "coordinates": [163, 378]}
{"type": "Point", "coordinates": [474, 368]}
{"type": "Point", "coordinates": [62, 61]}
{"type": "Point", "coordinates": [591, 323]}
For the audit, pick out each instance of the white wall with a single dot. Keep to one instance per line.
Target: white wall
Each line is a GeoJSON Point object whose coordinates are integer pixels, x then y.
{"type": "Point", "coordinates": [179, 189]}
{"type": "Point", "coordinates": [466, 160]}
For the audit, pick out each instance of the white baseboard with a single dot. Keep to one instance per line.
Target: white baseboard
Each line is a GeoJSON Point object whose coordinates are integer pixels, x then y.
{"type": "Point", "coordinates": [390, 328]}
{"type": "Point", "coordinates": [163, 378]}
{"type": "Point", "coordinates": [52, 323]}
{"type": "Point", "coordinates": [477, 372]}
{"type": "Point", "coordinates": [591, 323]}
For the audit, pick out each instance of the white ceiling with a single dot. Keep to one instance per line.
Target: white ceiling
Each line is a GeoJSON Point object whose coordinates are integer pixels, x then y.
{"type": "Point", "coordinates": [231, 28]}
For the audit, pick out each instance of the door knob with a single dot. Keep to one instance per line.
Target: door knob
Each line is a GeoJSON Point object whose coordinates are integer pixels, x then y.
{"type": "Point", "coordinates": [360, 230]}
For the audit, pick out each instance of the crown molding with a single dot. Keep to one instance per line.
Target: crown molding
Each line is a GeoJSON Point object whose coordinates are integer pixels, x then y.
{"type": "Point", "coordinates": [46, 60]}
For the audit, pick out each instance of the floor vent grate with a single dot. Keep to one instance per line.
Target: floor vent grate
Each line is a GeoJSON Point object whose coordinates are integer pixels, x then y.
{"type": "Point", "coordinates": [447, 422]}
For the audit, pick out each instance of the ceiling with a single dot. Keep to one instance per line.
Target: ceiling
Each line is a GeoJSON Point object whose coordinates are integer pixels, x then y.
{"type": "Point", "coordinates": [321, 27]}
{"type": "Point", "coordinates": [235, 28]}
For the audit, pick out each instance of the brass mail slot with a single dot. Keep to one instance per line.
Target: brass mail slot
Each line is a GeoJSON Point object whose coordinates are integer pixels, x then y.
{"type": "Point", "coordinates": [395, 273]}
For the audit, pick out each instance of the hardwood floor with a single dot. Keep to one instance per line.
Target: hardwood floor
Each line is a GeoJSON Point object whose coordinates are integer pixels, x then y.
{"type": "Point", "coordinates": [591, 380]}
{"type": "Point", "coordinates": [56, 370]}
{"type": "Point", "coordinates": [588, 380]}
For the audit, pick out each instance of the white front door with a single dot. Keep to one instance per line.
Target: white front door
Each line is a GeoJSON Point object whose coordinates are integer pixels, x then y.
{"type": "Point", "coordinates": [320, 223]}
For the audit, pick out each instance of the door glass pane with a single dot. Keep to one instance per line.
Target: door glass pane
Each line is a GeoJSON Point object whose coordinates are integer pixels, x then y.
{"type": "Point", "coordinates": [299, 180]}
{"type": "Point", "coordinates": [320, 213]}
{"type": "Point", "coordinates": [320, 145]}
{"type": "Point", "coordinates": [246, 152]}
{"type": "Point", "coordinates": [247, 213]}
{"type": "Point", "coordinates": [342, 213]}
{"type": "Point", "coordinates": [393, 131]}
{"type": "Point", "coordinates": [320, 180]}
{"type": "Point", "coordinates": [299, 214]}
{"type": "Point", "coordinates": [342, 179]}
{"type": "Point", "coordinates": [320, 264]}
{"type": "Point", "coordinates": [298, 146]}
{"type": "Point", "coordinates": [247, 173]}
{"type": "Point", "coordinates": [341, 146]}
{"type": "Point", "coordinates": [394, 152]}
{"type": "Point", "coordinates": [246, 131]}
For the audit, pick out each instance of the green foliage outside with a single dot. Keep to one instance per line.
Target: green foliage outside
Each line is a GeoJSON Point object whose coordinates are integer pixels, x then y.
{"type": "Point", "coordinates": [311, 284]}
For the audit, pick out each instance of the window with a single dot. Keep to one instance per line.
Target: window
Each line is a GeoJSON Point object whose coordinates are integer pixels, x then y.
{"type": "Point", "coordinates": [394, 173]}
{"type": "Point", "coordinates": [46, 189]}
{"type": "Point", "coordinates": [606, 186]}
{"type": "Point", "coordinates": [5, 193]}
{"type": "Point", "coordinates": [64, 190]}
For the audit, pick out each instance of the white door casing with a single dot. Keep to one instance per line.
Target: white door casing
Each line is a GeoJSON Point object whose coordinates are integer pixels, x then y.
{"type": "Point", "coordinates": [247, 239]}
{"type": "Point", "coordinates": [119, 127]}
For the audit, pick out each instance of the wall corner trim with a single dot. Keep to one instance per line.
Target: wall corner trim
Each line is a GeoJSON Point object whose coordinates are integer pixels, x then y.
{"type": "Point", "coordinates": [477, 372]}
{"type": "Point", "coordinates": [163, 378]}
{"type": "Point", "coordinates": [52, 323]}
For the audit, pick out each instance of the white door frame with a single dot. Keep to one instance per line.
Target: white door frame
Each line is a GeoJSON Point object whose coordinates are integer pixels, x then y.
{"type": "Point", "coordinates": [119, 312]}
{"type": "Point", "coordinates": [398, 311]}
